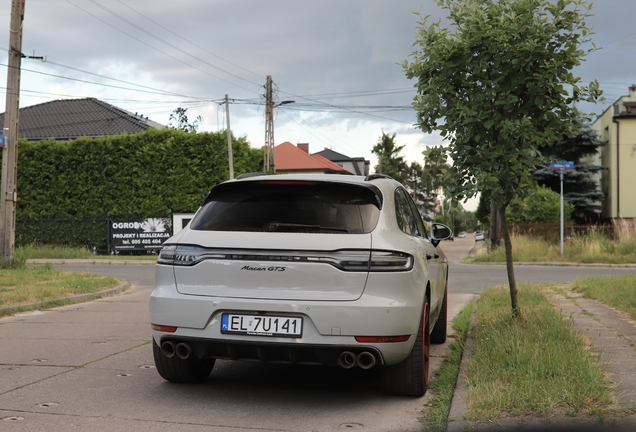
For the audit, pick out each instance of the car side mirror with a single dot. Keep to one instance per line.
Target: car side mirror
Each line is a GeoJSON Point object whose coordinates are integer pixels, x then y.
{"type": "Point", "coordinates": [440, 232]}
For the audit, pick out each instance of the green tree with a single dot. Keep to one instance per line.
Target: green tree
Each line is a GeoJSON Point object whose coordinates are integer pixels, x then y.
{"type": "Point", "coordinates": [483, 209]}
{"type": "Point", "coordinates": [179, 121]}
{"type": "Point", "coordinates": [424, 200]}
{"type": "Point", "coordinates": [499, 87]}
{"type": "Point", "coordinates": [436, 180]}
{"type": "Point", "coordinates": [579, 187]}
{"type": "Point", "coordinates": [543, 205]}
{"type": "Point", "coordinates": [389, 161]}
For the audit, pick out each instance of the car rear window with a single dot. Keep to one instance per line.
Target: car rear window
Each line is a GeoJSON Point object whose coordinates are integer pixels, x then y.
{"type": "Point", "coordinates": [281, 206]}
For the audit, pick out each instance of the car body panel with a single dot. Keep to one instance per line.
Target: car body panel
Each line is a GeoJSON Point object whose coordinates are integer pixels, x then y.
{"type": "Point", "coordinates": [272, 279]}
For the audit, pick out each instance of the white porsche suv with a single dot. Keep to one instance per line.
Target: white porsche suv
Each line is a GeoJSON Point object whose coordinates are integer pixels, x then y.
{"type": "Point", "coordinates": [303, 269]}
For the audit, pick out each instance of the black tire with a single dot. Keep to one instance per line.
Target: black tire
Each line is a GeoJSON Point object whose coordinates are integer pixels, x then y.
{"type": "Point", "coordinates": [174, 369]}
{"type": "Point", "coordinates": [438, 334]}
{"type": "Point", "coordinates": [410, 377]}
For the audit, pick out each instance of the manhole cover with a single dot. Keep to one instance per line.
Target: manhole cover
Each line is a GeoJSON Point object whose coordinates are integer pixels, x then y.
{"type": "Point", "coordinates": [48, 404]}
{"type": "Point", "coordinates": [13, 418]}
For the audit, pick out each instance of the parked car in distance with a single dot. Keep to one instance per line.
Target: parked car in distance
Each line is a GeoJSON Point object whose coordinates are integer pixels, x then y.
{"type": "Point", "coordinates": [461, 234]}
{"type": "Point", "coordinates": [303, 269]}
{"type": "Point", "coordinates": [479, 236]}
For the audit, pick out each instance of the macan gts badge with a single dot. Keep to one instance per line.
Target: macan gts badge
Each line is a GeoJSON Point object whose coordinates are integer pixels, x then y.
{"type": "Point", "coordinates": [328, 270]}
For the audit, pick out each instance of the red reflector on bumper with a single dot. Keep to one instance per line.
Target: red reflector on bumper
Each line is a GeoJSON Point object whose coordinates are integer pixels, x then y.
{"type": "Point", "coordinates": [162, 328]}
{"type": "Point", "coordinates": [381, 339]}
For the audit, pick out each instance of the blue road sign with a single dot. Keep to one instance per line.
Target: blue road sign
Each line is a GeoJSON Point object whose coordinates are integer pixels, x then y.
{"type": "Point", "coordinates": [562, 165]}
{"type": "Point", "coordinates": [2, 141]}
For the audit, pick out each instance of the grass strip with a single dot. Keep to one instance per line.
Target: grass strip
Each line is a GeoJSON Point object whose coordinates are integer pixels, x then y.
{"type": "Point", "coordinates": [442, 386]}
{"type": "Point", "coordinates": [534, 365]}
{"type": "Point", "coordinates": [618, 292]}
{"type": "Point", "coordinates": [46, 284]}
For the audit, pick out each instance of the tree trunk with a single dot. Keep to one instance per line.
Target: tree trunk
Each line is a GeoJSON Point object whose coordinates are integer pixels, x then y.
{"type": "Point", "coordinates": [509, 267]}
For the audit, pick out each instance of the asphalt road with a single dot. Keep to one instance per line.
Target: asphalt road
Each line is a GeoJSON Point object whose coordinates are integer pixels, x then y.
{"type": "Point", "coordinates": [89, 367]}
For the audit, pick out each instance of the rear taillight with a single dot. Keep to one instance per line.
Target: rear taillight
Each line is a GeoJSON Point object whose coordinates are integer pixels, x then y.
{"type": "Point", "coordinates": [163, 328]}
{"type": "Point", "coordinates": [382, 339]}
{"type": "Point", "coordinates": [346, 260]}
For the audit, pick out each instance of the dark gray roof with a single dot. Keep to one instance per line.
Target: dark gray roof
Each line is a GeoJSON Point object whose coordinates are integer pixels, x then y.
{"type": "Point", "coordinates": [333, 156]}
{"type": "Point", "coordinates": [74, 118]}
{"type": "Point", "coordinates": [360, 165]}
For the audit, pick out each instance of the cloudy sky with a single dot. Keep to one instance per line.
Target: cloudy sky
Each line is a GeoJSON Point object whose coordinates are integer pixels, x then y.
{"type": "Point", "coordinates": [337, 60]}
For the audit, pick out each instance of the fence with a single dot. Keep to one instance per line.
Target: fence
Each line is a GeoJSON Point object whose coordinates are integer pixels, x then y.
{"type": "Point", "coordinates": [91, 233]}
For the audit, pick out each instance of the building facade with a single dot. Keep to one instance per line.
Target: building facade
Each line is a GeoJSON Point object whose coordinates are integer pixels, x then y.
{"type": "Point", "coordinates": [617, 126]}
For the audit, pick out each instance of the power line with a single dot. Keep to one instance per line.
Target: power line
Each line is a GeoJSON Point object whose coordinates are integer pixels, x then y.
{"type": "Point", "coordinates": [132, 24]}
{"type": "Point", "coordinates": [159, 92]}
{"type": "Point", "coordinates": [158, 50]}
{"type": "Point", "coordinates": [190, 42]}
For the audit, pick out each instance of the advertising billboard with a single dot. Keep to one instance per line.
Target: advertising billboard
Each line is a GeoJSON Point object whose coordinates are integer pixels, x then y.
{"type": "Point", "coordinates": [144, 234]}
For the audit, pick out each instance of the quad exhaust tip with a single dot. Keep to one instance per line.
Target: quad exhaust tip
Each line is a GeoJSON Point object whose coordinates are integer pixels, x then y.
{"type": "Point", "coordinates": [364, 360]}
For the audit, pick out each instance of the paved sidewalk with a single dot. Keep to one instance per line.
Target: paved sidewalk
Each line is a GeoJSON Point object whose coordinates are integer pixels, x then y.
{"type": "Point", "coordinates": [612, 338]}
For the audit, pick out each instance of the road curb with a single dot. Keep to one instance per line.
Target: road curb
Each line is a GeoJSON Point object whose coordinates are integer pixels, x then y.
{"type": "Point", "coordinates": [458, 406]}
{"type": "Point", "coordinates": [77, 297]}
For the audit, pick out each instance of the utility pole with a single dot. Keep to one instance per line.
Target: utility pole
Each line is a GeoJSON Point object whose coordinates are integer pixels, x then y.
{"type": "Point", "coordinates": [229, 137]}
{"type": "Point", "coordinates": [8, 189]}
{"type": "Point", "coordinates": [269, 164]}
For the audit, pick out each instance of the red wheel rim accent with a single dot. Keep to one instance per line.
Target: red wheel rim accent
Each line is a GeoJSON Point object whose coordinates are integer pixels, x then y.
{"type": "Point", "coordinates": [426, 345]}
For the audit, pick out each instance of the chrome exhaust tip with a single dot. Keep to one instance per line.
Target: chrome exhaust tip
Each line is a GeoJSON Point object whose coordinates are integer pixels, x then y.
{"type": "Point", "coordinates": [183, 350]}
{"type": "Point", "coordinates": [167, 349]}
{"type": "Point", "coordinates": [347, 360]}
{"type": "Point", "coordinates": [365, 360]}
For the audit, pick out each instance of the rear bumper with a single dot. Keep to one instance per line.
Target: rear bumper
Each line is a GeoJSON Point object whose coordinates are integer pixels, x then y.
{"type": "Point", "coordinates": [391, 305]}
{"type": "Point", "coordinates": [306, 354]}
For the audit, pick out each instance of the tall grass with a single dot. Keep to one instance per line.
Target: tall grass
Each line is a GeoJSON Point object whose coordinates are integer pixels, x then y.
{"type": "Point", "coordinates": [52, 251]}
{"type": "Point", "coordinates": [533, 365]}
{"type": "Point", "coordinates": [590, 247]}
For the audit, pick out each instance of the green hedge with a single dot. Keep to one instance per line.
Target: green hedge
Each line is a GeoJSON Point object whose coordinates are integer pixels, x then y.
{"type": "Point", "coordinates": [158, 172]}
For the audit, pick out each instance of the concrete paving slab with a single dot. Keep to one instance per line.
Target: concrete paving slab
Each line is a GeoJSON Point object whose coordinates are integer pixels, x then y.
{"type": "Point", "coordinates": [87, 330]}
{"type": "Point", "coordinates": [18, 421]}
{"type": "Point", "coordinates": [144, 396]}
{"type": "Point", "coordinates": [80, 316]}
{"type": "Point", "coordinates": [14, 376]}
{"type": "Point", "coordinates": [60, 352]}
{"type": "Point", "coordinates": [619, 354]}
{"type": "Point", "coordinates": [138, 357]}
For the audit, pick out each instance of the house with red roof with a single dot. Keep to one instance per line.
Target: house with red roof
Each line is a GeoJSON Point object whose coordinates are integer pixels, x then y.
{"type": "Point", "coordinates": [292, 159]}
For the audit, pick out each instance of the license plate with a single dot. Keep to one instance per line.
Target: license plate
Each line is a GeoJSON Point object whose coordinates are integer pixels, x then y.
{"type": "Point", "coordinates": [261, 325]}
